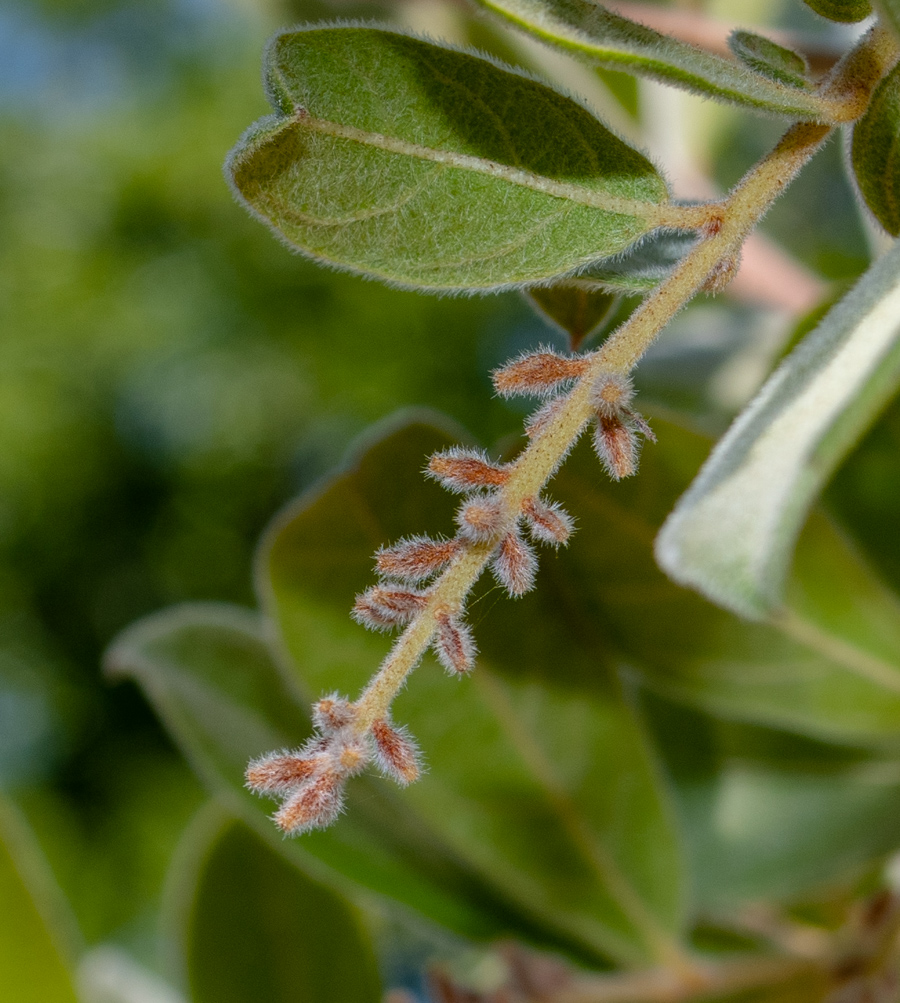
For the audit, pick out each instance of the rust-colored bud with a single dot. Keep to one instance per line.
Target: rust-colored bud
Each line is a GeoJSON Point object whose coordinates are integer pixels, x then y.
{"type": "Point", "coordinates": [396, 754]}
{"type": "Point", "coordinates": [515, 565]}
{"type": "Point", "coordinates": [416, 558]}
{"type": "Point", "coordinates": [465, 470]}
{"type": "Point", "coordinates": [280, 772]}
{"type": "Point", "coordinates": [454, 645]}
{"type": "Point", "coordinates": [381, 607]}
{"type": "Point", "coordinates": [544, 415]}
{"type": "Point", "coordinates": [722, 274]}
{"type": "Point", "coordinates": [611, 393]}
{"type": "Point", "coordinates": [547, 521]}
{"type": "Point", "coordinates": [480, 519]}
{"type": "Point", "coordinates": [314, 806]}
{"type": "Point", "coordinates": [332, 713]}
{"type": "Point", "coordinates": [616, 446]}
{"type": "Point", "coordinates": [537, 374]}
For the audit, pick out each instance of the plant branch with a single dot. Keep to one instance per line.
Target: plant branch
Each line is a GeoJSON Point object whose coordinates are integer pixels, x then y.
{"type": "Point", "coordinates": [312, 782]}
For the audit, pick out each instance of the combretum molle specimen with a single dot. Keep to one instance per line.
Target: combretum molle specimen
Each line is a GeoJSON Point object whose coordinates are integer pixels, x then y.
{"type": "Point", "coordinates": [424, 582]}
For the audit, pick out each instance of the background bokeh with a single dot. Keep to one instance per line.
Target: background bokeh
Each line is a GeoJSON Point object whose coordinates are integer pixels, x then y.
{"type": "Point", "coordinates": [170, 374]}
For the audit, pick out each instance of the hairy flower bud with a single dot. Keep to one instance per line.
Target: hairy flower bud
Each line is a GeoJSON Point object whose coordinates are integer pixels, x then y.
{"type": "Point", "coordinates": [314, 806]}
{"type": "Point", "coordinates": [616, 446]}
{"type": "Point", "coordinates": [280, 772]}
{"type": "Point", "coordinates": [515, 565]}
{"type": "Point", "coordinates": [416, 558]}
{"type": "Point", "coordinates": [544, 415]}
{"type": "Point", "coordinates": [381, 607]}
{"type": "Point", "coordinates": [465, 470]}
{"type": "Point", "coordinates": [454, 645]}
{"type": "Point", "coordinates": [396, 754]}
{"type": "Point", "coordinates": [480, 518]}
{"type": "Point", "coordinates": [547, 521]}
{"type": "Point", "coordinates": [537, 374]}
{"type": "Point", "coordinates": [332, 713]}
{"type": "Point", "coordinates": [611, 393]}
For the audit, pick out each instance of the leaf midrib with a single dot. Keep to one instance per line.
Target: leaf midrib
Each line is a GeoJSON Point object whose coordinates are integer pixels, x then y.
{"type": "Point", "coordinates": [654, 213]}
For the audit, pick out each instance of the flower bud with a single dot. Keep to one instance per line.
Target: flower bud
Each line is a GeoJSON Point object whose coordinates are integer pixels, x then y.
{"type": "Point", "coordinates": [381, 607]}
{"type": "Point", "coordinates": [314, 806]}
{"type": "Point", "coordinates": [480, 519]}
{"type": "Point", "coordinates": [537, 374]}
{"type": "Point", "coordinates": [515, 565]}
{"type": "Point", "coordinates": [416, 558]}
{"type": "Point", "coordinates": [547, 521]}
{"type": "Point", "coordinates": [454, 645]}
{"type": "Point", "coordinates": [611, 393]}
{"type": "Point", "coordinates": [332, 713]}
{"type": "Point", "coordinates": [465, 470]}
{"type": "Point", "coordinates": [544, 415]}
{"type": "Point", "coordinates": [396, 754]}
{"type": "Point", "coordinates": [280, 772]}
{"type": "Point", "coordinates": [616, 446]}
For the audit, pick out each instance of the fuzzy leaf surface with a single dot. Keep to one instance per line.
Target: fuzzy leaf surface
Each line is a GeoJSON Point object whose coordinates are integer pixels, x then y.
{"type": "Point", "coordinates": [259, 929]}
{"type": "Point", "coordinates": [769, 58]}
{"type": "Point", "coordinates": [615, 42]}
{"type": "Point", "coordinates": [874, 153]}
{"type": "Point", "coordinates": [32, 969]}
{"type": "Point", "coordinates": [210, 676]}
{"type": "Point", "coordinates": [732, 534]}
{"type": "Point", "coordinates": [539, 771]}
{"type": "Point", "coordinates": [845, 11]}
{"type": "Point", "coordinates": [435, 168]}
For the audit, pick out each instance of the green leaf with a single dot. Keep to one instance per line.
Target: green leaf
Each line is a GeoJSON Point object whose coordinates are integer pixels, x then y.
{"type": "Point", "coordinates": [209, 674]}
{"type": "Point", "coordinates": [259, 929]}
{"type": "Point", "coordinates": [539, 771]}
{"type": "Point", "coordinates": [874, 153]}
{"type": "Point", "coordinates": [32, 967]}
{"type": "Point", "coordinates": [732, 533]}
{"type": "Point", "coordinates": [770, 59]}
{"type": "Point", "coordinates": [829, 667]}
{"type": "Point", "coordinates": [434, 168]}
{"type": "Point", "coordinates": [846, 11]}
{"type": "Point", "coordinates": [613, 41]}
{"type": "Point", "coordinates": [576, 310]}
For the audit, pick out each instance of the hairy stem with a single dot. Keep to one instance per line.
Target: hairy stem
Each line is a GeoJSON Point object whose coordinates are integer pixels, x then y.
{"type": "Point", "coordinates": [727, 225]}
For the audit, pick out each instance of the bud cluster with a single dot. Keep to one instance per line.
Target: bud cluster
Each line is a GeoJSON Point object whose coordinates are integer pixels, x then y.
{"type": "Point", "coordinates": [492, 520]}
{"type": "Point", "coordinates": [310, 781]}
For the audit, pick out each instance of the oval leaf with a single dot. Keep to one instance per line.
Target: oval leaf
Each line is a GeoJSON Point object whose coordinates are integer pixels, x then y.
{"type": "Point", "coordinates": [540, 774]}
{"type": "Point", "coordinates": [209, 674]}
{"type": "Point", "coordinates": [876, 137]}
{"type": "Point", "coordinates": [258, 929]}
{"type": "Point", "coordinates": [401, 159]}
{"type": "Point", "coordinates": [845, 11]}
{"type": "Point", "coordinates": [732, 533]}
{"type": "Point", "coordinates": [613, 41]}
{"type": "Point", "coordinates": [769, 58]}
